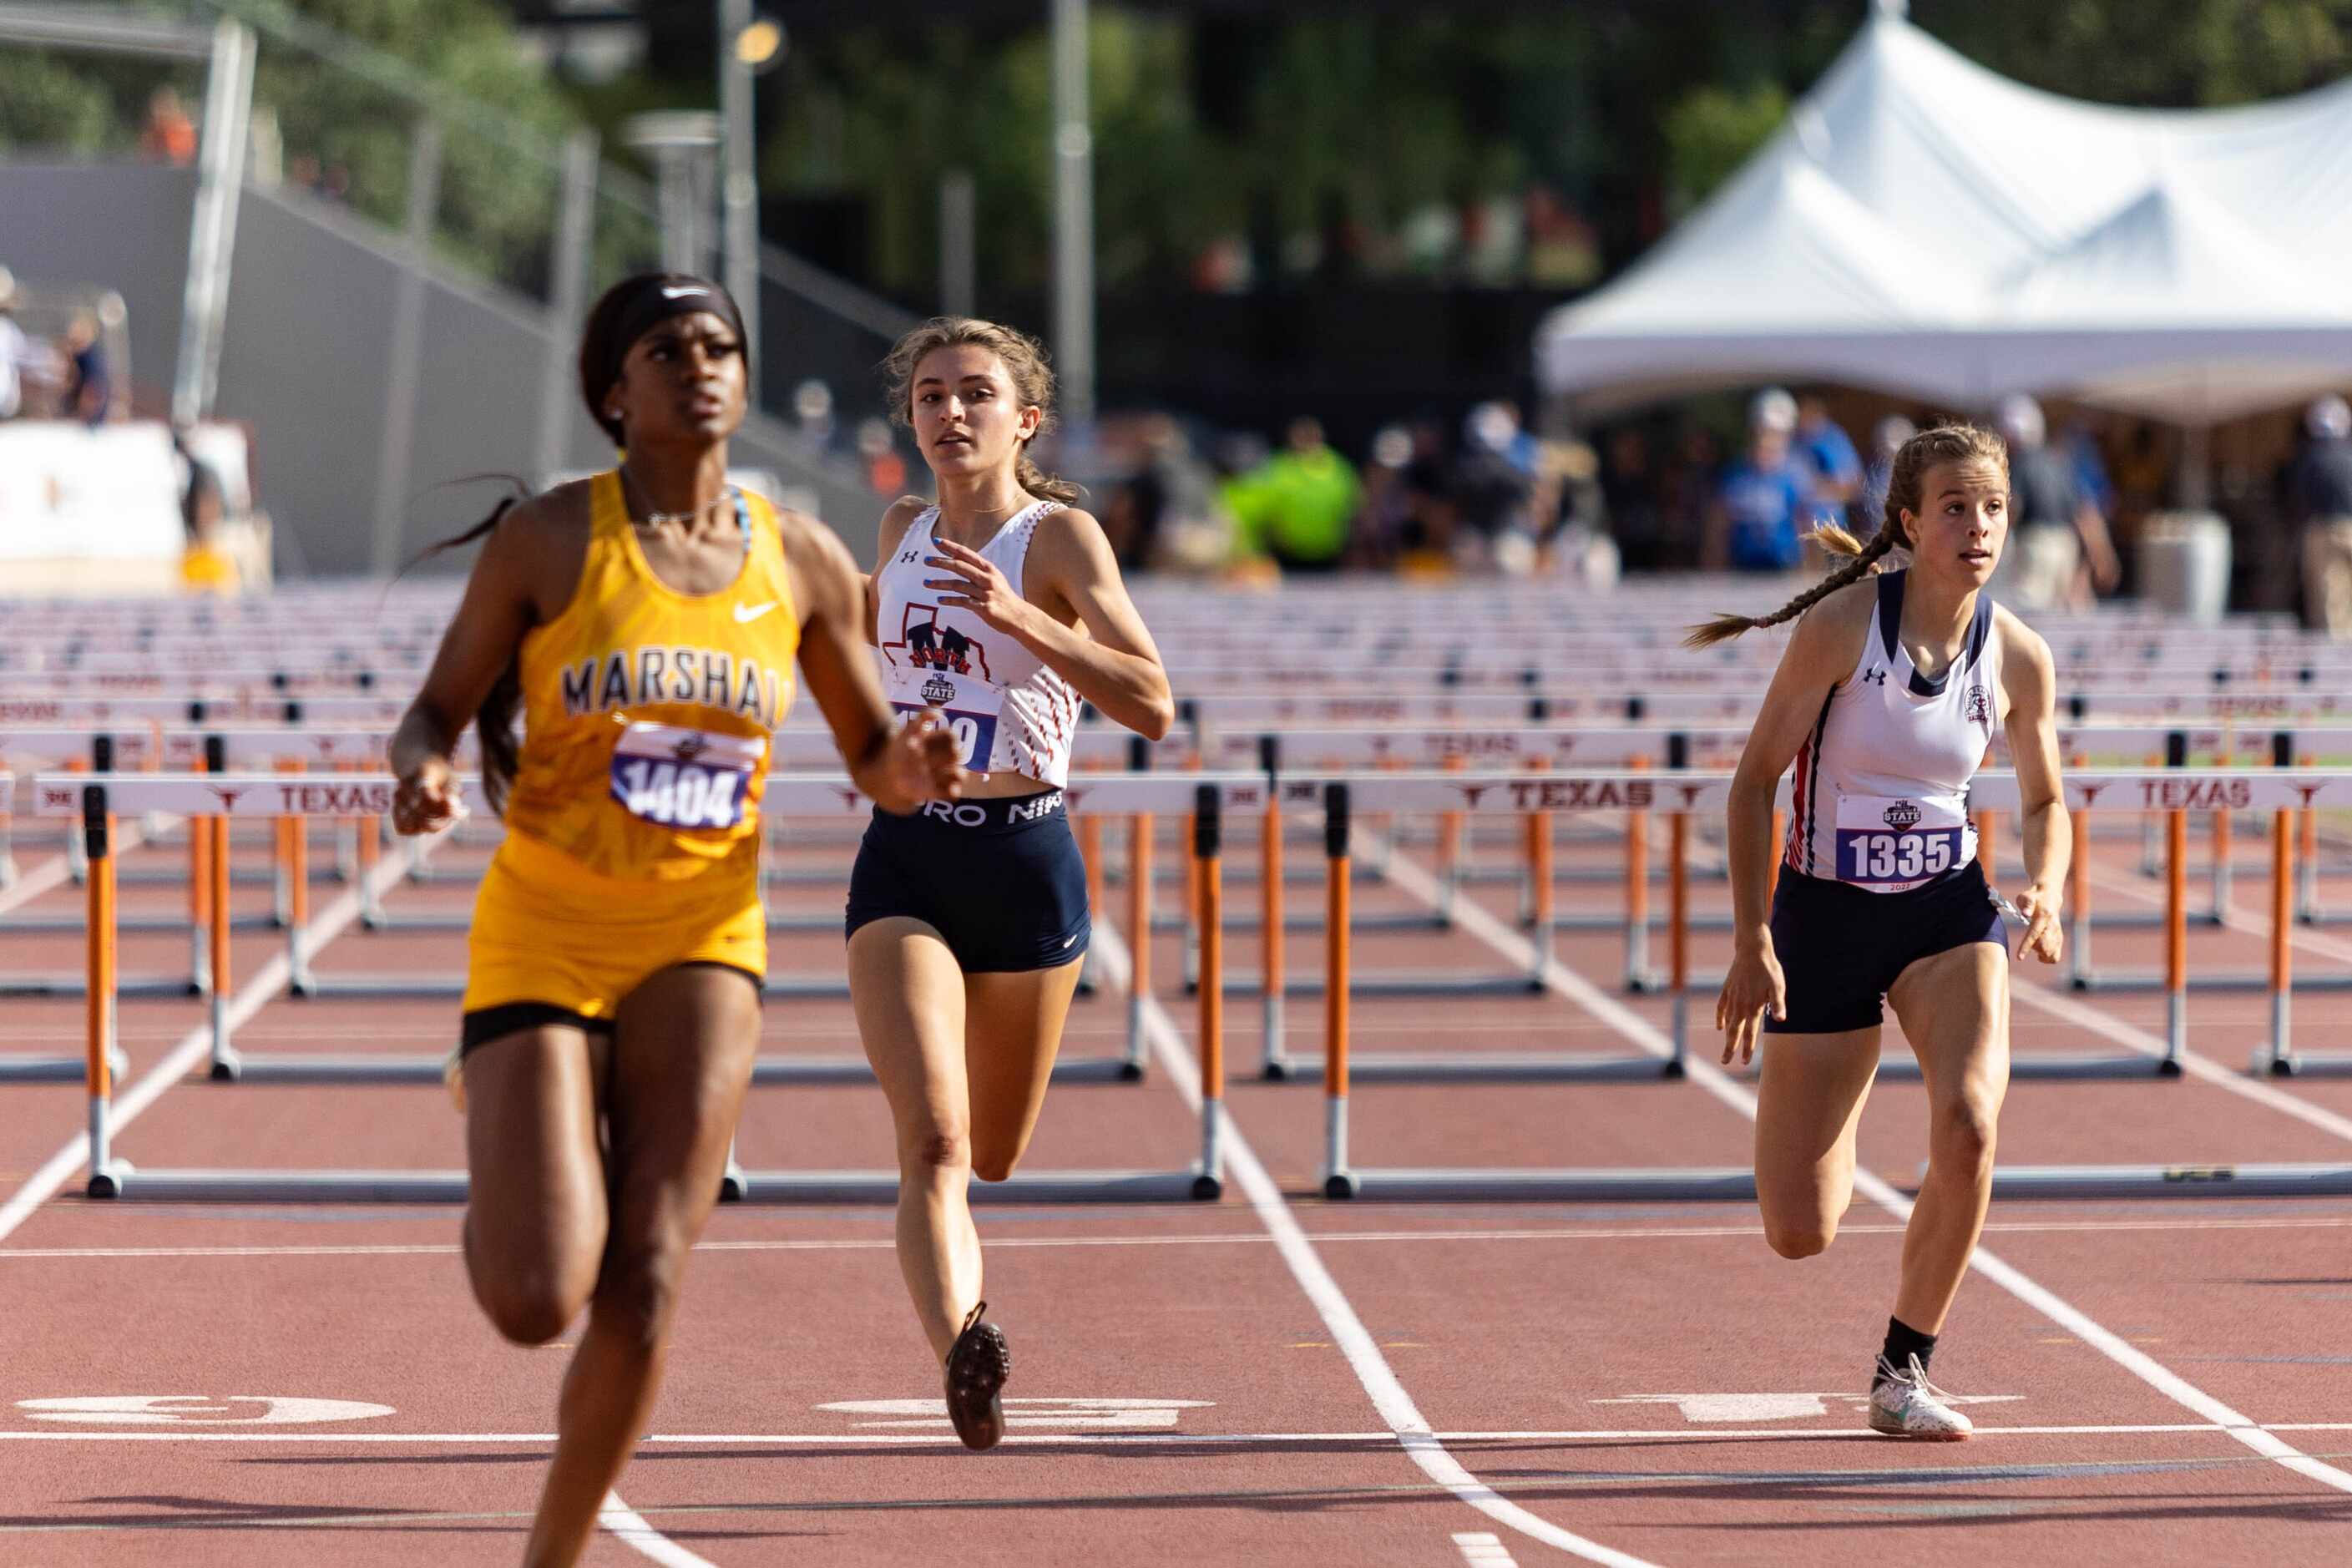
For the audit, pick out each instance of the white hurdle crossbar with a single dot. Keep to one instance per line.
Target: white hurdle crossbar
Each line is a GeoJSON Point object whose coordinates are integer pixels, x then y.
{"type": "Point", "coordinates": [213, 800]}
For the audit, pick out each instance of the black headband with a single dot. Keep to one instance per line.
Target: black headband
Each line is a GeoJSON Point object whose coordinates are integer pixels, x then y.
{"type": "Point", "coordinates": [657, 299]}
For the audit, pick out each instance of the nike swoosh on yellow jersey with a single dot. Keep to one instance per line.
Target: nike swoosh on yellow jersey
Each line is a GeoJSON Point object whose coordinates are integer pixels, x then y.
{"type": "Point", "coordinates": [746, 612]}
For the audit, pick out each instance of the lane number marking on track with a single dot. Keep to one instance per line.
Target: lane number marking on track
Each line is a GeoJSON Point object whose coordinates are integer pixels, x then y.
{"type": "Point", "coordinates": [198, 1410]}
{"type": "Point", "coordinates": [1775, 1406]}
{"type": "Point", "coordinates": [1091, 1415]}
{"type": "Point", "coordinates": [1483, 1549]}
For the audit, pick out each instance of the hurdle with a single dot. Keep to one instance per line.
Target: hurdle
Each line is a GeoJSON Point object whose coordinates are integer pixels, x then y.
{"type": "Point", "coordinates": [29, 1067]}
{"type": "Point", "coordinates": [1343, 1180]}
{"type": "Point", "coordinates": [32, 986]}
{"type": "Point", "coordinates": [2280, 791]}
{"type": "Point", "coordinates": [1532, 798]}
{"type": "Point", "coordinates": [94, 801]}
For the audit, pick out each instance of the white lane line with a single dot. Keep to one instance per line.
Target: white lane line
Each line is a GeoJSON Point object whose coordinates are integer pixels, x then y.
{"type": "Point", "coordinates": [1715, 1081]}
{"type": "Point", "coordinates": [48, 874]}
{"type": "Point", "coordinates": [1144, 1440]}
{"type": "Point", "coordinates": [1348, 1332]}
{"type": "Point", "coordinates": [268, 983]}
{"type": "Point", "coordinates": [631, 1529]}
{"type": "Point", "coordinates": [2232, 918]}
{"type": "Point", "coordinates": [52, 874]}
{"type": "Point", "coordinates": [1252, 1239]}
{"type": "Point", "coordinates": [2104, 1024]}
{"type": "Point", "coordinates": [1482, 1548]}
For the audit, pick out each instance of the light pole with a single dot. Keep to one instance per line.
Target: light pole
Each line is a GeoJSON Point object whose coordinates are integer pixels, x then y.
{"type": "Point", "coordinates": [744, 47]}
{"type": "Point", "coordinates": [1074, 221]}
{"type": "Point", "coordinates": [679, 142]}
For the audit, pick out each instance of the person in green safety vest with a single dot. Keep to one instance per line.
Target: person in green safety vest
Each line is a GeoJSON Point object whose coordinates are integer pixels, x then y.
{"type": "Point", "coordinates": [1299, 506]}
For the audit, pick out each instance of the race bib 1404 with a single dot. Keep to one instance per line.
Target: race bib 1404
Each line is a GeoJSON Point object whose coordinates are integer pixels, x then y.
{"type": "Point", "coordinates": [1891, 843]}
{"type": "Point", "coordinates": [685, 778]}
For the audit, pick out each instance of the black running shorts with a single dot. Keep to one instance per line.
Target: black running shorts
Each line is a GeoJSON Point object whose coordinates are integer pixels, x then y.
{"type": "Point", "coordinates": [1840, 947]}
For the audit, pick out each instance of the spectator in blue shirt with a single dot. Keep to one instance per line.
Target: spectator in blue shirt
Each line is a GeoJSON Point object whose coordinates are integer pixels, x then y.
{"type": "Point", "coordinates": [1824, 447]}
{"type": "Point", "coordinates": [1753, 525]}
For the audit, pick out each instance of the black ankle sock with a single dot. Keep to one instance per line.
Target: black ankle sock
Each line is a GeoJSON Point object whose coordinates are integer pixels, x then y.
{"type": "Point", "coordinates": [1903, 1342]}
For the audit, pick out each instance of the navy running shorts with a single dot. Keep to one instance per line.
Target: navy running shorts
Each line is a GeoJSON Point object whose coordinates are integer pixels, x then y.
{"type": "Point", "coordinates": [1001, 880]}
{"type": "Point", "coordinates": [1841, 946]}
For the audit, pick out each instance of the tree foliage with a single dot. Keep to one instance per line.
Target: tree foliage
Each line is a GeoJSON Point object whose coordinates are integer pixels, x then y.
{"type": "Point", "coordinates": [1209, 128]}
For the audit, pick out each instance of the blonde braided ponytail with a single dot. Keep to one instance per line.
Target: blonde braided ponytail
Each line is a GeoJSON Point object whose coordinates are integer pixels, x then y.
{"type": "Point", "coordinates": [1950, 443]}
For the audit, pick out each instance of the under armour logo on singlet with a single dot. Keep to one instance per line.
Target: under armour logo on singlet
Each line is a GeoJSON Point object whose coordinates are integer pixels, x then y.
{"type": "Point", "coordinates": [1876, 678]}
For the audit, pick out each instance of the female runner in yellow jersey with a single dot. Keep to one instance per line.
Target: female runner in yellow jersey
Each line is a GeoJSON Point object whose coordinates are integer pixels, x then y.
{"type": "Point", "coordinates": [647, 620]}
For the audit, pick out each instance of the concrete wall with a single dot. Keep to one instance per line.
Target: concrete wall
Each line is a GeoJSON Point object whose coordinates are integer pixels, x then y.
{"type": "Point", "coordinates": [306, 350]}
{"type": "Point", "coordinates": [122, 227]}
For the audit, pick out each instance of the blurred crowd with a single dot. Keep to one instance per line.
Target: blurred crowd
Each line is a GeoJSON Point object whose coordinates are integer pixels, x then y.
{"type": "Point", "coordinates": [62, 375]}
{"type": "Point", "coordinates": [1669, 492]}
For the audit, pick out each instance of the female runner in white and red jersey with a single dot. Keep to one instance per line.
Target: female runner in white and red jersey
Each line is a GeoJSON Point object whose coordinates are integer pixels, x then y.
{"type": "Point", "coordinates": [1885, 704]}
{"type": "Point", "coordinates": [1000, 607]}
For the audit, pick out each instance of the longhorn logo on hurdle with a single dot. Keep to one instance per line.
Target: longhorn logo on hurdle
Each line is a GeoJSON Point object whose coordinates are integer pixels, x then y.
{"type": "Point", "coordinates": [227, 798]}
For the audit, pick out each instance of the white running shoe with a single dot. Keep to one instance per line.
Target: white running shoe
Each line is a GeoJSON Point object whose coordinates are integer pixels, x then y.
{"type": "Point", "coordinates": [1903, 1404]}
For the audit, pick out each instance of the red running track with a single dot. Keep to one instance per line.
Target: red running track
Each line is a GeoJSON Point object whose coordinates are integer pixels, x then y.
{"type": "Point", "coordinates": [1207, 1384]}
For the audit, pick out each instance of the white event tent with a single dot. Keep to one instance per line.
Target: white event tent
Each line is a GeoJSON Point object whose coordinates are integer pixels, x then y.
{"type": "Point", "coordinates": [1924, 226]}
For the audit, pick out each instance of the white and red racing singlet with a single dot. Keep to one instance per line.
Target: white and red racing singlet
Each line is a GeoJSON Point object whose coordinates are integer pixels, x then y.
{"type": "Point", "coordinates": [1012, 713]}
{"type": "Point", "coordinates": [1882, 783]}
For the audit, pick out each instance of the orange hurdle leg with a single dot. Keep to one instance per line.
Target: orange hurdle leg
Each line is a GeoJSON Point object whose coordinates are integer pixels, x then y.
{"type": "Point", "coordinates": [1272, 970]}
{"type": "Point", "coordinates": [1449, 852]}
{"type": "Point", "coordinates": [2078, 898]}
{"type": "Point", "coordinates": [200, 902]}
{"type": "Point", "coordinates": [1540, 874]}
{"type": "Point", "coordinates": [1090, 848]}
{"type": "Point", "coordinates": [368, 829]}
{"type": "Point", "coordinates": [2175, 940]}
{"type": "Point", "coordinates": [97, 832]}
{"type": "Point", "coordinates": [224, 1060]}
{"type": "Point", "coordinates": [1209, 877]}
{"type": "Point", "coordinates": [2220, 867]}
{"type": "Point", "coordinates": [2278, 1057]}
{"type": "Point", "coordinates": [1637, 895]}
{"type": "Point", "coordinates": [1678, 935]}
{"type": "Point", "coordinates": [1139, 925]}
{"type": "Point", "coordinates": [1338, 1182]}
{"type": "Point", "coordinates": [295, 831]}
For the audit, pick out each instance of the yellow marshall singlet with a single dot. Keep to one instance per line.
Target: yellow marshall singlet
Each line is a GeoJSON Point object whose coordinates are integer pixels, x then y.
{"type": "Point", "coordinates": [616, 688]}
{"type": "Point", "coordinates": [633, 827]}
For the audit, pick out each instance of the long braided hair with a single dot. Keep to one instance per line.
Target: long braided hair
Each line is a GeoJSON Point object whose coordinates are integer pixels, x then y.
{"type": "Point", "coordinates": [1956, 442]}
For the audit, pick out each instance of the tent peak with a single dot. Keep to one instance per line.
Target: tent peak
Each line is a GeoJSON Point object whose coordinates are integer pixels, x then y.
{"type": "Point", "coordinates": [1898, 9]}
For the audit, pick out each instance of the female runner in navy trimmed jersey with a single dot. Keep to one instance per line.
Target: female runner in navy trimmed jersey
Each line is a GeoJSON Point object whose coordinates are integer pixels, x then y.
{"type": "Point", "coordinates": [1001, 609]}
{"type": "Point", "coordinates": [1885, 703]}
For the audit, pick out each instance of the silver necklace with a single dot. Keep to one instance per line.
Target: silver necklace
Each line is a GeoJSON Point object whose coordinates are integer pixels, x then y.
{"type": "Point", "coordinates": [656, 519]}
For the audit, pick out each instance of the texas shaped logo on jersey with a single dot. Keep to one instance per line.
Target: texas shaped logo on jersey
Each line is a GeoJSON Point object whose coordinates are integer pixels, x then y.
{"type": "Point", "coordinates": [930, 645]}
